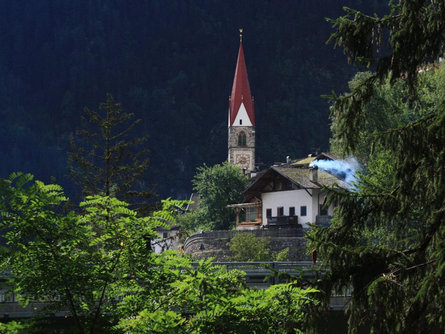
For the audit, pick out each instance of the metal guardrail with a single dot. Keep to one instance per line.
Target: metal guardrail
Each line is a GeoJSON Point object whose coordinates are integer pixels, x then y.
{"type": "Point", "coordinates": [264, 274]}
{"type": "Point", "coordinates": [258, 274]}
{"type": "Point", "coordinates": [278, 265]}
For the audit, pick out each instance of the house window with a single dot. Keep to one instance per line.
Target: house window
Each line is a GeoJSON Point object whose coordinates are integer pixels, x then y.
{"type": "Point", "coordinates": [323, 210]}
{"type": "Point", "coordinates": [240, 122]}
{"type": "Point", "coordinates": [303, 211]}
{"type": "Point", "coordinates": [292, 211]}
{"type": "Point", "coordinates": [242, 139]}
{"type": "Point", "coordinates": [268, 213]}
{"type": "Point", "coordinates": [251, 214]}
{"type": "Point", "coordinates": [280, 211]}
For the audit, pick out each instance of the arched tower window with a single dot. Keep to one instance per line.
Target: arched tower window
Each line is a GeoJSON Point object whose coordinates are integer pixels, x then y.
{"type": "Point", "coordinates": [242, 139]}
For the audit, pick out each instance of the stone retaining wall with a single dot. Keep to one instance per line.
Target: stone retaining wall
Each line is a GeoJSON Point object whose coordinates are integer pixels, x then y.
{"type": "Point", "coordinates": [214, 243]}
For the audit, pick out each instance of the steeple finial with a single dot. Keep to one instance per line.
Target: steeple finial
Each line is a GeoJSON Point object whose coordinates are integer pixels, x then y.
{"type": "Point", "coordinates": [240, 35]}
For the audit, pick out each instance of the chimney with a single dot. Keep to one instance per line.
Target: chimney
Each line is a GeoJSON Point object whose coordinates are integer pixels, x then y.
{"type": "Point", "coordinates": [313, 174]}
{"type": "Point", "coordinates": [288, 159]}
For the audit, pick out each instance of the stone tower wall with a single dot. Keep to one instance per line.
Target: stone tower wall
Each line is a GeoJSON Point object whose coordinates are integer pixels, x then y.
{"type": "Point", "coordinates": [248, 149]}
{"type": "Point", "coordinates": [233, 136]}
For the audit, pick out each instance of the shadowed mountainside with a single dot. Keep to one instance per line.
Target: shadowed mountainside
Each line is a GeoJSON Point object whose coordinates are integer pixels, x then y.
{"type": "Point", "coordinates": [172, 64]}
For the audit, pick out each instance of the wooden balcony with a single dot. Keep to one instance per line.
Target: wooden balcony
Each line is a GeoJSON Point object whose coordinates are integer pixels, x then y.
{"type": "Point", "coordinates": [248, 215]}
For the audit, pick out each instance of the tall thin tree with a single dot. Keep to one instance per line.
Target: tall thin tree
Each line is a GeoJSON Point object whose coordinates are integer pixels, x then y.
{"type": "Point", "coordinates": [106, 157]}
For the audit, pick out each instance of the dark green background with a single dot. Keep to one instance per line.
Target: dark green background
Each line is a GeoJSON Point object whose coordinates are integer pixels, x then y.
{"type": "Point", "coordinates": [172, 64]}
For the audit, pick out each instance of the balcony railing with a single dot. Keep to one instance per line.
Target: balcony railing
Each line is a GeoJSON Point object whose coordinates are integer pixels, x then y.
{"type": "Point", "coordinates": [323, 220]}
{"type": "Point", "coordinates": [280, 221]}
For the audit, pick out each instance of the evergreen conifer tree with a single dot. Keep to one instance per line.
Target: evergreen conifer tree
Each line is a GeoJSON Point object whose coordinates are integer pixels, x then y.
{"type": "Point", "coordinates": [105, 157]}
{"type": "Point", "coordinates": [397, 286]}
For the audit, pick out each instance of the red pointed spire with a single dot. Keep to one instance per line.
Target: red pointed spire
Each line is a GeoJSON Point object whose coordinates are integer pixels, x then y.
{"type": "Point", "coordinates": [241, 89]}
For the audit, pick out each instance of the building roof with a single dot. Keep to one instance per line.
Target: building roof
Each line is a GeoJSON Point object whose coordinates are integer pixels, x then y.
{"type": "Point", "coordinates": [300, 176]}
{"type": "Point", "coordinates": [322, 156]}
{"type": "Point", "coordinates": [304, 161]}
{"type": "Point", "coordinates": [327, 156]}
{"type": "Point", "coordinates": [294, 177]}
{"type": "Point", "coordinates": [241, 90]}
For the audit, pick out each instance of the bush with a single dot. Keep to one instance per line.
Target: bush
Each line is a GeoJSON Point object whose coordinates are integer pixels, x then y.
{"type": "Point", "coordinates": [247, 247]}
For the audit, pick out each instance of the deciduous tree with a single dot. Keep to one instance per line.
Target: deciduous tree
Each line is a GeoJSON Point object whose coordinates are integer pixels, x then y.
{"type": "Point", "coordinates": [209, 299]}
{"type": "Point", "coordinates": [218, 186]}
{"type": "Point", "coordinates": [72, 262]}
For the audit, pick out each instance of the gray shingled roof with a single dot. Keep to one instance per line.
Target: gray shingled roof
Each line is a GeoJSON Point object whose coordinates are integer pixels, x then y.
{"type": "Point", "coordinates": [300, 176]}
{"type": "Point", "coordinates": [296, 176]}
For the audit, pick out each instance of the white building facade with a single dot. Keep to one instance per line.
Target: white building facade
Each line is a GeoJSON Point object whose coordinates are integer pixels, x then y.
{"type": "Point", "coordinates": [287, 197]}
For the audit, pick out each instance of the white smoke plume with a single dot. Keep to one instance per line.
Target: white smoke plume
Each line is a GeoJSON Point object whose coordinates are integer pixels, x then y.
{"type": "Point", "coordinates": [343, 169]}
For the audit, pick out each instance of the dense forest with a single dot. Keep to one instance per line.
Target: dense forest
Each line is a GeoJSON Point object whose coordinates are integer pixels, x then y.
{"type": "Point", "coordinates": [172, 64]}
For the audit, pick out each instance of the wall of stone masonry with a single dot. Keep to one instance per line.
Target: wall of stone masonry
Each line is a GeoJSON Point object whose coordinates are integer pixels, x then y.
{"type": "Point", "coordinates": [214, 243]}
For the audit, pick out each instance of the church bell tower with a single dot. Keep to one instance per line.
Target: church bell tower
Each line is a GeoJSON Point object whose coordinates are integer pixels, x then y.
{"type": "Point", "coordinates": [241, 143]}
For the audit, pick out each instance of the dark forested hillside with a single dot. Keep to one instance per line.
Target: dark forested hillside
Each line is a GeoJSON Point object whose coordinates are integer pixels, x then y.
{"type": "Point", "coordinates": [172, 64]}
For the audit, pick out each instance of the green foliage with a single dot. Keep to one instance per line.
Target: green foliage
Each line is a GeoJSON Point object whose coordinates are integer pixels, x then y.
{"type": "Point", "coordinates": [387, 239]}
{"type": "Point", "coordinates": [383, 110]}
{"type": "Point", "coordinates": [209, 299]}
{"type": "Point", "coordinates": [191, 221]}
{"type": "Point", "coordinates": [283, 255]}
{"type": "Point", "coordinates": [158, 321]}
{"type": "Point", "coordinates": [279, 309]}
{"type": "Point", "coordinates": [98, 266]}
{"type": "Point", "coordinates": [71, 261]}
{"type": "Point", "coordinates": [218, 186]}
{"type": "Point", "coordinates": [15, 327]}
{"type": "Point", "coordinates": [247, 247]}
{"type": "Point", "coordinates": [412, 32]}
{"type": "Point", "coordinates": [389, 107]}
{"type": "Point", "coordinates": [104, 159]}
